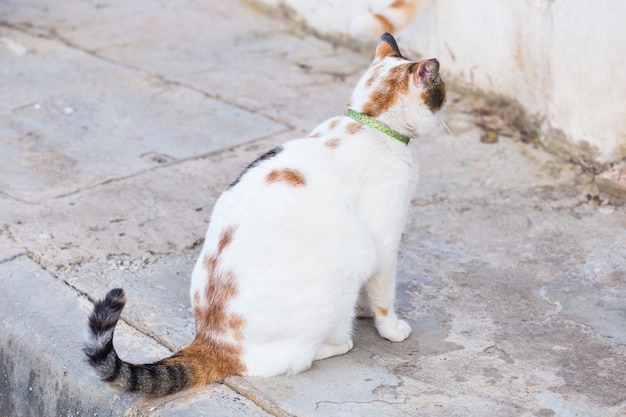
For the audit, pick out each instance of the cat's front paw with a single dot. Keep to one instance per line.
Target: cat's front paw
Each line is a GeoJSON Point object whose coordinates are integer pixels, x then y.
{"type": "Point", "coordinates": [394, 330]}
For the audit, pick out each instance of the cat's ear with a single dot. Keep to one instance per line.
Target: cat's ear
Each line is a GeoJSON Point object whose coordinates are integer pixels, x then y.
{"type": "Point", "coordinates": [387, 46]}
{"type": "Point", "coordinates": [426, 73]}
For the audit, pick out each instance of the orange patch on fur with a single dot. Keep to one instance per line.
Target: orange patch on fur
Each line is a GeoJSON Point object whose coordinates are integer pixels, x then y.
{"type": "Point", "coordinates": [220, 288]}
{"type": "Point", "coordinates": [209, 356]}
{"type": "Point", "coordinates": [210, 360]}
{"type": "Point", "coordinates": [382, 311]}
{"type": "Point", "coordinates": [354, 127]}
{"type": "Point", "coordinates": [225, 238]}
{"type": "Point", "coordinates": [395, 83]}
{"type": "Point", "coordinates": [314, 135]}
{"type": "Point", "coordinates": [333, 124]}
{"type": "Point", "coordinates": [236, 323]}
{"type": "Point", "coordinates": [387, 27]}
{"type": "Point", "coordinates": [288, 175]}
{"type": "Point", "coordinates": [332, 143]}
{"type": "Point", "coordinates": [408, 7]}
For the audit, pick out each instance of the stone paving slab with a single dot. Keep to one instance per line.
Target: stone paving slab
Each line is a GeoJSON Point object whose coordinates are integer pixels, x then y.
{"type": "Point", "coordinates": [216, 400]}
{"type": "Point", "coordinates": [8, 247]}
{"type": "Point", "coordinates": [195, 44]}
{"type": "Point", "coordinates": [164, 210]}
{"type": "Point", "coordinates": [63, 140]}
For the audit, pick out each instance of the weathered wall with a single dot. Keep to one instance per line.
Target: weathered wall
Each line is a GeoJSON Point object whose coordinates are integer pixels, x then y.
{"type": "Point", "coordinates": [562, 60]}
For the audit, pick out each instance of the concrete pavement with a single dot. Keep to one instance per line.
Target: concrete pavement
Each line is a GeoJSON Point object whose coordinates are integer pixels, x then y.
{"type": "Point", "coordinates": [120, 124]}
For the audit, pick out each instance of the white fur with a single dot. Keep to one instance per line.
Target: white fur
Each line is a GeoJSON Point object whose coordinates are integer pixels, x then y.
{"type": "Point", "coordinates": [301, 254]}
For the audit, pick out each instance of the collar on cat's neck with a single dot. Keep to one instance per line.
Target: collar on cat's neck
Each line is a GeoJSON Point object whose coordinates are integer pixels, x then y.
{"type": "Point", "coordinates": [375, 124]}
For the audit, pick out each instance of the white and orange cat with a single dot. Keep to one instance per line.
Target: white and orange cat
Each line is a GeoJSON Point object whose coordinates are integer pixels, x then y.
{"type": "Point", "coordinates": [294, 239]}
{"type": "Point", "coordinates": [392, 18]}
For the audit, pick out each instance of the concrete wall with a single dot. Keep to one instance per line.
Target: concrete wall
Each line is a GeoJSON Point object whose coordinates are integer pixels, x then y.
{"type": "Point", "coordinates": [562, 60]}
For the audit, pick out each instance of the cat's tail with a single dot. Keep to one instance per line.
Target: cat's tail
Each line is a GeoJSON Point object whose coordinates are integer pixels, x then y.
{"type": "Point", "coordinates": [392, 19]}
{"type": "Point", "coordinates": [189, 367]}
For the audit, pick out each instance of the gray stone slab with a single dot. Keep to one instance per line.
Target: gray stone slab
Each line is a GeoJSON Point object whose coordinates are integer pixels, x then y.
{"type": "Point", "coordinates": [42, 369]}
{"type": "Point", "coordinates": [161, 211]}
{"type": "Point", "coordinates": [9, 248]}
{"type": "Point", "coordinates": [215, 400]}
{"type": "Point", "coordinates": [73, 120]}
{"type": "Point", "coordinates": [72, 14]}
{"type": "Point", "coordinates": [261, 66]}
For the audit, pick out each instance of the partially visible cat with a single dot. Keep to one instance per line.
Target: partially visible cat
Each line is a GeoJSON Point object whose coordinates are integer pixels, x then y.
{"type": "Point", "coordinates": [293, 240]}
{"type": "Point", "coordinates": [392, 18]}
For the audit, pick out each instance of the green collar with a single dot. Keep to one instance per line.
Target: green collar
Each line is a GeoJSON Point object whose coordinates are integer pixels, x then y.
{"type": "Point", "coordinates": [373, 123]}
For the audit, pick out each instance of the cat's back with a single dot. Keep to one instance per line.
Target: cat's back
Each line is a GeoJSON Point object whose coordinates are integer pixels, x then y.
{"type": "Point", "coordinates": [294, 189]}
{"type": "Point", "coordinates": [320, 162]}
{"type": "Point", "coordinates": [289, 172]}
{"type": "Point", "coordinates": [318, 176]}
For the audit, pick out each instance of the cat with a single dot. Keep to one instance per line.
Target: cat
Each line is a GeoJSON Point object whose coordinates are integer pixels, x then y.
{"type": "Point", "coordinates": [392, 18]}
{"type": "Point", "coordinates": [293, 240]}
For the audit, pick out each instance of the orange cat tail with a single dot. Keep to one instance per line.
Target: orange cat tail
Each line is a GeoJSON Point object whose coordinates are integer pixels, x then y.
{"type": "Point", "coordinates": [189, 367]}
{"type": "Point", "coordinates": [392, 19]}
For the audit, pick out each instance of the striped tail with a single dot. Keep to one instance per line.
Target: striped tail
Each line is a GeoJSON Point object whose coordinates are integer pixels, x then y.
{"type": "Point", "coordinates": [191, 366]}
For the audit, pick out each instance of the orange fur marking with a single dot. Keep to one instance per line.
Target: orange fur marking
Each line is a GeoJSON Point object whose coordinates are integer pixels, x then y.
{"type": "Point", "coordinates": [387, 26]}
{"type": "Point", "coordinates": [332, 143]}
{"type": "Point", "coordinates": [382, 311]}
{"type": "Point", "coordinates": [210, 360]}
{"type": "Point", "coordinates": [220, 289]}
{"type": "Point", "coordinates": [354, 127]}
{"type": "Point", "coordinates": [225, 238]}
{"type": "Point", "coordinates": [314, 135]}
{"type": "Point", "coordinates": [209, 356]}
{"type": "Point", "coordinates": [410, 7]}
{"type": "Point", "coordinates": [288, 175]}
{"type": "Point", "coordinates": [394, 84]}
{"type": "Point", "coordinates": [333, 124]}
{"type": "Point", "coordinates": [236, 323]}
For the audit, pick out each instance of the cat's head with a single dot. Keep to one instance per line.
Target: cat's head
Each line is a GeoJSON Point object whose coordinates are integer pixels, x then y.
{"type": "Point", "coordinates": [406, 95]}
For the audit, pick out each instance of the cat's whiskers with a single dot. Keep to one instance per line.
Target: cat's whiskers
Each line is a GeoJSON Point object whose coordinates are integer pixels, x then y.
{"type": "Point", "coordinates": [449, 127]}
